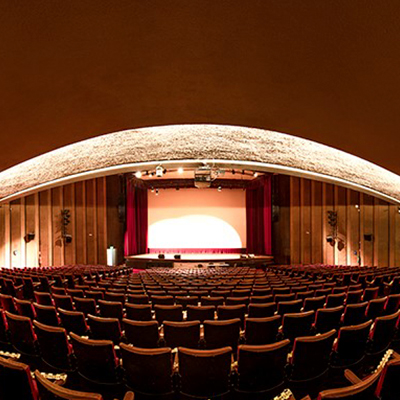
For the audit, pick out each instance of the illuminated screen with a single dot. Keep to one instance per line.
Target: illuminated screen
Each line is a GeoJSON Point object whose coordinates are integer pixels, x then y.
{"type": "Point", "coordinates": [197, 219]}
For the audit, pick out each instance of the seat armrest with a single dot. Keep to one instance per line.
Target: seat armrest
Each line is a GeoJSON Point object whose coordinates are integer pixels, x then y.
{"type": "Point", "coordinates": [351, 377]}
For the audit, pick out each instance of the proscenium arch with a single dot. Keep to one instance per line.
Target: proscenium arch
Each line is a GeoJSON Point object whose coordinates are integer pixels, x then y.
{"type": "Point", "coordinates": [193, 145]}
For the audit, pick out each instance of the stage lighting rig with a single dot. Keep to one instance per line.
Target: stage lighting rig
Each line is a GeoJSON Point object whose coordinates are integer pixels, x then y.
{"type": "Point", "coordinates": [205, 175]}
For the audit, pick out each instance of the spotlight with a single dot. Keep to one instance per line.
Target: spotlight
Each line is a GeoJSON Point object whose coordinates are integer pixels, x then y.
{"type": "Point", "coordinates": [255, 174]}
{"type": "Point", "coordinates": [398, 210]}
{"type": "Point", "coordinates": [233, 172]}
{"type": "Point", "coordinates": [357, 206]}
{"type": "Point", "coordinates": [138, 174]}
{"type": "Point", "coordinates": [150, 174]}
{"type": "Point", "coordinates": [243, 171]}
{"type": "Point", "coordinates": [180, 170]}
{"type": "Point", "coordinates": [159, 171]}
{"type": "Point", "coordinates": [219, 188]}
{"type": "Point", "coordinates": [156, 192]}
{"type": "Point", "coordinates": [152, 189]}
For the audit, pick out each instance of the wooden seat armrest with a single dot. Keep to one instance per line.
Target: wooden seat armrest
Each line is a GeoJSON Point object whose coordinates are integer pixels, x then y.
{"type": "Point", "coordinates": [306, 398]}
{"type": "Point", "coordinates": [351, 377]}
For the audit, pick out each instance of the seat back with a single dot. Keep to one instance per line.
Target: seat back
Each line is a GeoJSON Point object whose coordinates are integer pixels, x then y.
{"type": "Point", "coordinates": [138, 312]}
{"type": "Point", "coordinates": [25, 308]}
{"type": "Point", "coordinates": [200, 313]}
{"type": "Point", "coordinates": [376, 308]}
{"type": "Point", "coordinates": [141, 333]}
{"type": "Point", "coordinates": [111, 309]}
{"type": "Point", "coordinates": [261, 310]}
{"type": "Point", "coordinates": [212, 301]}
{"type": "Point", "coordinates": [22, 336]}
{"type": "Point", "coordinates": [328, 318]}
{"type": "Point", "coordinates": [16, 381]}
{"type": "Point", "coordinates": [46, 314]}
{"type": "Point", "coordinates": [335, 300]}
{"type": "Point", "coordinates": [204, 373]}
{"type": "Point", "coordinates": [96, 359]}
{"type": "Point", "coordinates": [297, 324]}
{"type": "Point", "coordinates": [87, 306]}
{"type": "Point", "coordinates": [168, 313]}
{"type": "Point", "coordinates": [105, 328]}
{"type": "Point", "coordinates": [182, 334]}
{"type": "Point", "coordinates": [311, 356]}
{"type": "Point", "coordinates": [220, 333]}
{"type": "Point", "coordinates": [262, 368]}
{"type": "Point", "coordinates": [354, 314]}
{"type": "Point", "coordinates": [261, 331]}
{"type": "Point", "coordinates": [351, 344]}
{"type": "Point", "coordinates": [43, 298]}
{"type": "Point", "coordinates": [392, 304]}
{"type": "Point", "coordinates": [148, 371]}
{"type": "Point", "coordinates": [54, 346]}
{"type": "Point", "coordinates": [63, 301]}
{"type": "Point", "coordinates": [73, 321]}
{"type": "Point", "coordinates": [8, 304]}
{"type": "Point", "coordinates": [354, 297]}
{"type": "Point", "coordinates": [289, 307]}
{"type": "Point", "coordinates": [313, 303]}
{"type": "Point", "coordinates": [383, 332]}
{"type": "Point", "coordinates": [231, 312]}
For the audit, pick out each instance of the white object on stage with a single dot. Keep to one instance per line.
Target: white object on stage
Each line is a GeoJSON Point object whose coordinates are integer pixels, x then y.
{"type": "Point", "coordinates": [111, 256]}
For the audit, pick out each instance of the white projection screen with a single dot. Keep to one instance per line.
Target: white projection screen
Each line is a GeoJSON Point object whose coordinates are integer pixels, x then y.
{"type": "Point", "coordinates": [197, 219]}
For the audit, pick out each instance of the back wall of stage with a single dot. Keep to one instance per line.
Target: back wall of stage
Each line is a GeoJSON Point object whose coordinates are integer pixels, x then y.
{"type": "Point", "coordinates": [197, 219]}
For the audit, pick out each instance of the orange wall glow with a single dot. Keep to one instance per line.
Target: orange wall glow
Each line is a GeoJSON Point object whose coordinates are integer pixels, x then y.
{"type": "Point", "coordinates": [197, 218]}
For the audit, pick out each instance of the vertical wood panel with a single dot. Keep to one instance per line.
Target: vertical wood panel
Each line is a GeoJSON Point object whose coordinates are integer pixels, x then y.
{"type": "Point", "coordinates": [80, 204]}
{"type": "Point", "coordinates": [305, 218]}
{"type": "Point", "coordinates": [46, 256]}
{"type": "Point", "coordinates": [69, 204]}
{"type": "Point", "coordinates": [16, 233]}
{"type": "Point", "coordinates": [2, 235]}
{"type": "Point", "coordinates": [396, 244]}
{"type": "Point", "coordinates": [327, 205]}
{"type": "Point", "coordinates": [341, 242]}
{"type": "Point", "coordinates": [101, 221]}
{"type": "Point", "coordinates": [353, 227]}
{"type": "Point", "coordinates": [57, 239]}
{"type": "Point", "coordinates": [91, 234]}
{"type": "Point", "coordinates": [316, 223]}
{"type": "Point", "coordinates": [381, 233]}
{"type": "Point", "coordinates": [367, 220]}
{"type": "Point", "coordinates": [30, 227]}
{"type": "Point", "coordinates": [22, 233]}
{"type": "Point", "coordinates": [7, 234]}
{"type": "Point", "coordinates": [295, 237]}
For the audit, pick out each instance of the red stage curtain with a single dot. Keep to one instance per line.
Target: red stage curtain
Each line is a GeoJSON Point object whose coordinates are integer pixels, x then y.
{"type": "Point", "coordinates": [258, 216]}
{"type": "Point", "coordinates": [136, 219]}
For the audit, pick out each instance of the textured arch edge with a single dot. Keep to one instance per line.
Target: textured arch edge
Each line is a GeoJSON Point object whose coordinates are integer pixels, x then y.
{"type": "Point", "coordinates": [191, 146]}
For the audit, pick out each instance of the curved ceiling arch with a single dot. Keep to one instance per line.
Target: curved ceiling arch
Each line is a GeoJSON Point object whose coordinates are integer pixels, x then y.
{"type": "Point", "coordinates": [174, 145]}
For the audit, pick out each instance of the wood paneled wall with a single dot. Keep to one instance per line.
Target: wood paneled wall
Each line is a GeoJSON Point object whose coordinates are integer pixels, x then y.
{"type": "Point", "coordinates": [40, 214]}
{"type": "Point", "coordinates": [360, 217]}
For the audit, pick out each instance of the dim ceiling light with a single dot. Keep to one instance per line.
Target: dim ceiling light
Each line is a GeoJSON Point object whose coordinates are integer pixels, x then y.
{"type": "Point", "coordinates": [180, 170]}
{"type": "Point", "coordinates": [138, 174]}
{"type": "Point", "coordinates": [255, 174]}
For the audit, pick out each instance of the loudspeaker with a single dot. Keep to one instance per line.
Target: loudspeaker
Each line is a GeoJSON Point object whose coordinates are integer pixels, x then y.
{"type": "Point", "coordinates": [161, 256]}
{"type": "Point", "coordinates": [28, 237]}
{"type": "Point", "coordinates": [369, 237]}
{"type": "Point", "coordinates": [177, 256]}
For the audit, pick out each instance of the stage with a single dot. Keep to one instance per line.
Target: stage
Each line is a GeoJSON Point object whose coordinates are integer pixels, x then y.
{"type": "Point", "coordinates": [192, 260]}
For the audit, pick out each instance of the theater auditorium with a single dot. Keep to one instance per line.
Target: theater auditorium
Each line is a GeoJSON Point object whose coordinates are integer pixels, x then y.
{"type": "Point", "coordinates": [199, 200]}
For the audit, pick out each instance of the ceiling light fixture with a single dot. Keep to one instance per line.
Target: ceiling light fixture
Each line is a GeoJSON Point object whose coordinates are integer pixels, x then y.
{"type": "Point", "coordinates": [138, 174]}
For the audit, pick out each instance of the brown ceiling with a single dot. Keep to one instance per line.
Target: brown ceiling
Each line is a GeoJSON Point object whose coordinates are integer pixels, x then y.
{"type": "Point", "coordinates": [327, 70]}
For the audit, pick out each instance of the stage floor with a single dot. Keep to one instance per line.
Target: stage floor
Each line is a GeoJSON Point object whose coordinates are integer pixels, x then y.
{"type": "Point", "coordinates": [149, 260]}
